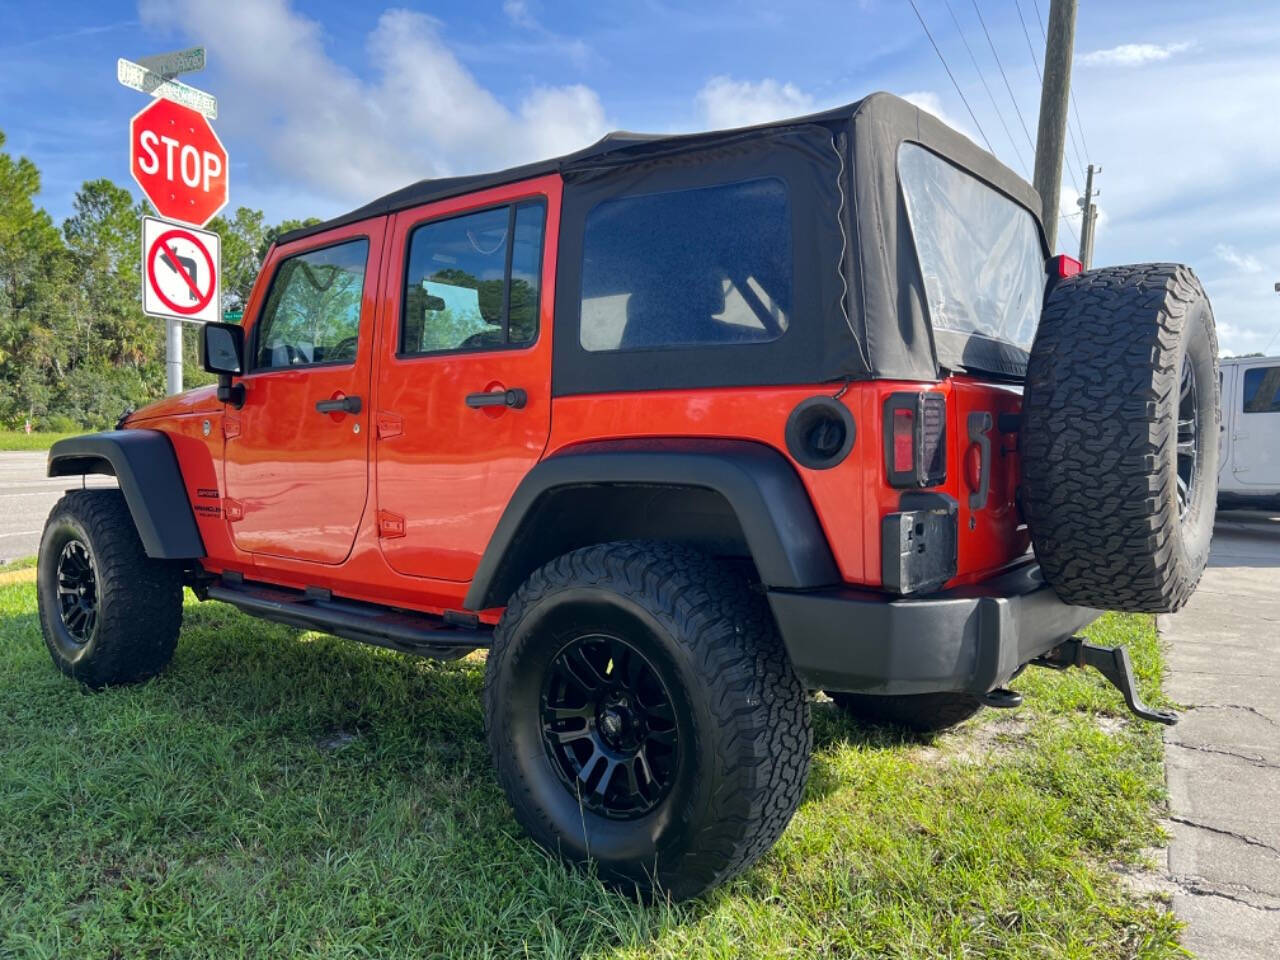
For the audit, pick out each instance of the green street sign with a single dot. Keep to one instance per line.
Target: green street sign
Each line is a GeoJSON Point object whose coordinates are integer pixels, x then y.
{"type": "Point", "coordinates": [233, 316]}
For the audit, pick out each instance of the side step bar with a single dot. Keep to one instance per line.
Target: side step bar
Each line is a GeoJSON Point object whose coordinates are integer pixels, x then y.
{"type": "Point", "coordinates": [406, 631]}
{"type": "Point", "coordinates": [1114, 664]}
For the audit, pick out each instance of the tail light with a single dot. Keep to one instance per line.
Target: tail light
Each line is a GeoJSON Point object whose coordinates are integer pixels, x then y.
{"type": "Point", "coordinates": [915, 439]}
{"type": "Point", "coordinates": [1063, 266]}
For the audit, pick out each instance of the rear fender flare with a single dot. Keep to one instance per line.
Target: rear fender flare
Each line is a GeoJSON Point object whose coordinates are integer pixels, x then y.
{"type": "Point", "coordinates": [145, 466]}
{"type": "Point", "coordinates": [762, 489]}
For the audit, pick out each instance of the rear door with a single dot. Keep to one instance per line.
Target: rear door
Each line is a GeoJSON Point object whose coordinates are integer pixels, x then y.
{"type": "Point", "coordinates": [1255, 441]}
{"type": "Point", "coordinates": [297, 452]}
{"type": "Point", "coordinates": [464, 374]}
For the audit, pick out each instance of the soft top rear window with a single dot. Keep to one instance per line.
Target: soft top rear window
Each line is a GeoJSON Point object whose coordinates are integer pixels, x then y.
{"type": "Point", "coordinates": [698, 267]}
{"type": "Point", "coordinates": [979, 252]}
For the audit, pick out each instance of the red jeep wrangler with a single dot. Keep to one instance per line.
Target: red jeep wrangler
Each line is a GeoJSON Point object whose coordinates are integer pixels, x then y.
{"type": "Point", "coordinates": [679, 429]}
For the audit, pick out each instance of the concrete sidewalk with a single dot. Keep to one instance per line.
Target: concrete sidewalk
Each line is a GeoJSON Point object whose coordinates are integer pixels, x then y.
{"type": "Point", "coordinates": [1222, 760]}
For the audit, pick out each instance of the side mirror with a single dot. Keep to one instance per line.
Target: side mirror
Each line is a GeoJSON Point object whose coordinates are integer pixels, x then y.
{"type": "Point", "coordinates": [432, 303]}
{"type": "Point", "coordinates": [222, 352]}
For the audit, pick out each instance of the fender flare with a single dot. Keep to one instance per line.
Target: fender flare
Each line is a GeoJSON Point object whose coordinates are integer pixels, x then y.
{"type": "Point", "coordinates": [761, 487]}
{"type": "Point", "coordinates": [145, 466]}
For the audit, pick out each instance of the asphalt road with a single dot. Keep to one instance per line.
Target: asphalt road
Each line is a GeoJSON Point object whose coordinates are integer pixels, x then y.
{"type": "Point", "coordinates": [1222, 761]}
{"type": "Point", "coordinates": [26, 497]}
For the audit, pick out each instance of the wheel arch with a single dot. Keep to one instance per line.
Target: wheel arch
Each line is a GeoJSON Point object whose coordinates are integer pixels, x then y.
{"type": "Point", "coordinates": [146, 468]}
{"type": "Point", "coordinates": [732, 498]}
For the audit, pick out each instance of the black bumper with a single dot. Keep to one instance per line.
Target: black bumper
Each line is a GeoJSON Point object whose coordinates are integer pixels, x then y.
{"type": "Point", "coordinates": [971, 639]}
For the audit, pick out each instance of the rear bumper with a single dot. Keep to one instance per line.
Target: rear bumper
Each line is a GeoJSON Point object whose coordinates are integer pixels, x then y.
{"type": "Point", "coordinates": [971, 639]}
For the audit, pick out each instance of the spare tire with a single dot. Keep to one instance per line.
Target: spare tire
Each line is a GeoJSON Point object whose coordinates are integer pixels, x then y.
{"type": "Point", "coordinates": [1119, 437]}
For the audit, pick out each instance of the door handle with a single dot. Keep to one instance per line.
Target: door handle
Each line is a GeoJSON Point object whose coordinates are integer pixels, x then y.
{"type": "Point", "coordinates": [515, 397]}
{"type": "Point", "coordinates": [340, 405]}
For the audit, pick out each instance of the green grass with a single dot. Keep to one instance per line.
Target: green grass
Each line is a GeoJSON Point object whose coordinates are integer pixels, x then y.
{"type": "Point", "coordinates": [280, 794]}
{"type": "Point", "coordinates": [22, 563]}
{"type": "Point", "coordinates": [18, 440]}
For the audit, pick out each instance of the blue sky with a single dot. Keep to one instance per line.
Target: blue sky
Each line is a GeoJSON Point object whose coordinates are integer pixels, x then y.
{"type": "Point", "coordinates": [323, 105]}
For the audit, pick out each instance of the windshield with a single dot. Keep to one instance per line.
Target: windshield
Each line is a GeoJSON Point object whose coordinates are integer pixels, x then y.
{"type": "Point", "coordinates": [979, 251]}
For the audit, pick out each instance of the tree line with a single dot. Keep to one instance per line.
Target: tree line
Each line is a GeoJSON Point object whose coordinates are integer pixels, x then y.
{"type": "Point", "coordinates": [76, 350]}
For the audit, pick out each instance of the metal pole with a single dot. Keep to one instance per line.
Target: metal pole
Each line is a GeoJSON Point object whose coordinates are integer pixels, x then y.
{"type": "Point", "coordinates": [173, 357]}
{"type": "Point", "coordinates": [1054, 93]}
{"type": "Point", "coordinates": [1089, 215]}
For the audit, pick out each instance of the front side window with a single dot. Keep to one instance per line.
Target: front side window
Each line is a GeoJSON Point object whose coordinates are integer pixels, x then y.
{"type": "Point", "coordinates": [979, 251]}
{"type": "Point", "coordinates": [1262, 390]}
{"type": "Point", "coordinates": [704, 266]}
{"type": "Point", "coordinates": [312, 313]}
{"type": "Point", "coordinates": [472, 281]}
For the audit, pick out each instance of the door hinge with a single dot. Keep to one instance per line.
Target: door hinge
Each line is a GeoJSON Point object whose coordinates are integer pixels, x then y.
{"type": "Point", "coordinates": [390, 525]}
{"type": "Point", "coordinates": [231, 426]}
{"type": "Point", "coordinates": [232, 509]}
{"type": "Point", "coordinates": [389, 425]}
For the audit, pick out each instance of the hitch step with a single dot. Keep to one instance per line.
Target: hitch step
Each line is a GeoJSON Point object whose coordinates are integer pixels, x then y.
{"type": "Point", "coordinates": [1114, 664]}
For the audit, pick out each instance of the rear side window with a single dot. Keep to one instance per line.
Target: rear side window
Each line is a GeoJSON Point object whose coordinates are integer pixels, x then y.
{"type": "Point", "coordinates": [1262, 390]}
{"type": "Point", "coordinates": [704, 266]}
{"type": "Point", "coordinates": [312, 313]}
{"type": "Point", "coordinates": [979, 251]}
{"type": "Point", "coordinates": [472, 281]}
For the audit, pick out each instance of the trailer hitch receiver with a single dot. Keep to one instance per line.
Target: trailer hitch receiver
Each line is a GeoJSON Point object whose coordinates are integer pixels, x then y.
{"type": "Point", "coordinates": [1114, 664]}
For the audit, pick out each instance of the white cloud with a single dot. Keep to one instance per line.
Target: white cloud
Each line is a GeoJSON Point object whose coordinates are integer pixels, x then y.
{"type": "Point", "coordinates": [517, 12]}
{"type": "Point", "coordinates": [1244, 262]}
{"type": "Point", "coordinates": [725, 102]}
{"type": "Point", "coordinates": [423, 114]}
{"type": "Point", "coordinates": [1133, 54]}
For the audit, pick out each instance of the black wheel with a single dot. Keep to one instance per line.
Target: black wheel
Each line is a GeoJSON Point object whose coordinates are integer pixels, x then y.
{"type": "Point", "coordinates": [1120, 437]}
{"type": "Point", "coordinates": [921, 712]}
{"type": "Point", "coordinates": [109, 613]}
{"type": "Point", "coordinates": [643, 716]}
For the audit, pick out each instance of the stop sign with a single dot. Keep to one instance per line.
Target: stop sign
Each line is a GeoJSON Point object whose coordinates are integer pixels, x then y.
{"type": "Point", "coordinates": [178, 161]}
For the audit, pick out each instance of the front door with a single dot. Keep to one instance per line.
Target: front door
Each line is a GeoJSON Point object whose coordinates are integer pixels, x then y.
{"type": "Point", "coordinates": [297, 452]}
{"type": "Point", "coordinates": [464, 378]}
{"type": "Point", "coordinates": [1255, 440]}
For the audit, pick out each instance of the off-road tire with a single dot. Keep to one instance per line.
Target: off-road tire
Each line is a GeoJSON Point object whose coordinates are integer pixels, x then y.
{"type": "Point", "coordinates": [744, 727]}
{"type": "Point", "coordinates": [920, 712]}
{"type": "Point", "coordinates": [139, 600]}
{"type": "Point", "coordinates": [1099, 437]}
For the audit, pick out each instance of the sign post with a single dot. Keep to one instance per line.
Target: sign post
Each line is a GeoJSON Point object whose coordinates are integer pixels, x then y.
{"type": "Point", "coordinates": [181, 166]}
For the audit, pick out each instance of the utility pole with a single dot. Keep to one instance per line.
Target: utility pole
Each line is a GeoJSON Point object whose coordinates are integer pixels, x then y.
{"type": "Point", "coordinates": [1089, 218]}
{"type": "Point", "coordinates": [1055, 92]}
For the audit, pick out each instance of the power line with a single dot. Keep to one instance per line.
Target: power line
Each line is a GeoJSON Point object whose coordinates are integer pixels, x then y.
{"type": "Point", "coordinates": [951, 75]}
{"type": "Point", "coordinates": [1030, 49]}
{"type": "Point", "coordinates": [981, 76]}
{"type": "Point", "coordinates": [1066, 218]}
{"type": "Point", "coordinates": [1007, 86]}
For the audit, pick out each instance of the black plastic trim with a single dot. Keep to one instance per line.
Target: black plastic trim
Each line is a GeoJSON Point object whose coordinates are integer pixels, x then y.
{"type": "Point", "coordinates": [968, 640]}
{"type": "Point", "coordinates": [801, 422]}
{"type": "Point", "coordinates": [144, 464]}
{"type": "Point", "coordinates": [777, 519]}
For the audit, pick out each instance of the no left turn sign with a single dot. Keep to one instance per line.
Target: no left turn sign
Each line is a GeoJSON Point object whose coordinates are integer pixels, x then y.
{"type": "Point", "coordinates": [180, 271]}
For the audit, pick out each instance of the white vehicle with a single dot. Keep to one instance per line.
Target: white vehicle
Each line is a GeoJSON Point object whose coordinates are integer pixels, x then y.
{"type": "Point", "coordinates": [1250, 462]}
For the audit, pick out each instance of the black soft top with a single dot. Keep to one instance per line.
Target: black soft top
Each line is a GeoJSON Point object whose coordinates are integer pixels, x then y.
{"type": "Point", "coordinates": [882, 328]}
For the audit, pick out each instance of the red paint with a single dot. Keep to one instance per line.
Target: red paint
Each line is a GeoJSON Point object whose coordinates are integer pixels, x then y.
{"type": "Point", "coordinates": [178, 161]}
{"type": "Point", "coordinates": [450, 469]}
{"type": "Point", "coordinates": [300, 475]}
{"type": "Point", "coordinates": [401, 512]}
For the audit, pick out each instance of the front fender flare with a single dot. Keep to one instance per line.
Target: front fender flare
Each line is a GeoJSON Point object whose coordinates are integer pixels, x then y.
{"type": "Point", "coordinates": [778, 522]}
{"type": "Point", "coordinates": [145, 466]}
